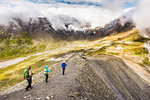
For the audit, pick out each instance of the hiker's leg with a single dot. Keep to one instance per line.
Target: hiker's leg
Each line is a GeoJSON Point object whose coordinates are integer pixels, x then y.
{"type": "Point", "coordinates": [47, 78]}
{"type": "Point", "coordinates": [63, 71]}
{"type": "Point", "coordinates": [28, 84]}
{"type": "Point", "coordinates": [30, 81]}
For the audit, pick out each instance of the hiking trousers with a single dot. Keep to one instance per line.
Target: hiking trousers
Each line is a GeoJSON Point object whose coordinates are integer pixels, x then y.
{"type": "Point", "coordinates": [29, 83]}
{"type": "Point", "coordinates": [46, 78]}
{"type": "Point", "coordinates": [63, 71]}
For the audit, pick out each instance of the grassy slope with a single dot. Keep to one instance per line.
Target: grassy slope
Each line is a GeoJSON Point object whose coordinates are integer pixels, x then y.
{"type": "Point", "coordinates": [13, 74]}
{"type": "Point", "coordinates": [18, 45]}
{"type": "Point", "coordinates": [127, 44]}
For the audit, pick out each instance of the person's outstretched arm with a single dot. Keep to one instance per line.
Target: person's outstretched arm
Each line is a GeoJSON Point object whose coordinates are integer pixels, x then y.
{"type": "Point", "coordinates": [65, 64]}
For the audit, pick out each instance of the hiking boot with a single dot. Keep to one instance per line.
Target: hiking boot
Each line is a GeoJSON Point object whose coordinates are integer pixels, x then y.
{"type": "Point", "coordinates": [27, 89]}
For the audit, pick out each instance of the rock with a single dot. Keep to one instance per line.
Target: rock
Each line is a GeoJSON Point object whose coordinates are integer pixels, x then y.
{"type": "Point", "coordinates": [47, 98]}
{"type": "Point", "coordinates": [25, 97]}
{"type": "Point", "coordinates": [52, 96]}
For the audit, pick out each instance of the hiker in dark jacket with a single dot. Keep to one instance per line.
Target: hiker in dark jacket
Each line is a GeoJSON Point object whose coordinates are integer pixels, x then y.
{"type": "Point", "coordinates": [63, 67]}
{"type": "Point", "coordinates": [46, 70]}
{"type": "Point", "coordinates": [29, 78]}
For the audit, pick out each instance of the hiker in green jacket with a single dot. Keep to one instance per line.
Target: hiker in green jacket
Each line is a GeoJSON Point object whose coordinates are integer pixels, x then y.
{"type": "Point", "coordinates": [28, 76]}
{"type": "Point", "coordinates": [46, 70]}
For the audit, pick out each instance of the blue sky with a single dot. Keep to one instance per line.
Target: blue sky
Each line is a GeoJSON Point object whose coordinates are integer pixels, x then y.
{"type": "Point", "coordinates": [69, 2]}
{"type": "Point", "coordinates": [127, 3]}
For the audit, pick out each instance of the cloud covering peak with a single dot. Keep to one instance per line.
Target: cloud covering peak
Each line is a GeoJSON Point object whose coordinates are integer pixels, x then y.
{"type": "Point", "coordinates": [142, 17]}
{"type": "Point", "coordinates": [60, 12]}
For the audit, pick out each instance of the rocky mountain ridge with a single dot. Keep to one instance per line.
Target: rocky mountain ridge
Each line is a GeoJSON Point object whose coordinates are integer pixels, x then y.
{"type": "Point", "coordinates": [42, 25]}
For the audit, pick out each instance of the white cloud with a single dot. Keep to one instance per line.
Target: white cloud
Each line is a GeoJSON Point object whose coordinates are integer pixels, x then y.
{"type": "Point", "coordinates": [60, 13]}
{"type": "Point", "coordinates": [95, 16]}
{"type": "Point", "coordinates": [142, 15]}
{"type": "Point", "coordinates": [16, 8]}
{"type": "Point", "coordinates": [115, 4]}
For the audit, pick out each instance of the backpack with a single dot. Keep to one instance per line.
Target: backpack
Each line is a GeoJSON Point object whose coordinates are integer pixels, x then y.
{"type": "Point", "coordinates": [26, 73]}
{"type": "Point", "coordinates": [45, 71]}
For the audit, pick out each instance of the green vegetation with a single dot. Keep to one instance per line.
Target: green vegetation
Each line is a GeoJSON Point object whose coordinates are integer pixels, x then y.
{"type": "Point", "coordinates": [129, 45]}
{"type": "Point", "coordinates": [140, 51]}
{"type": "Point", "coordinates": [17, 45]}
{"type": "Point", "coordinates": [100, 51]}
{"type": "Point", "coordinates": [13, 74]}
{"type": "Point", "coordinates": [146, 61]}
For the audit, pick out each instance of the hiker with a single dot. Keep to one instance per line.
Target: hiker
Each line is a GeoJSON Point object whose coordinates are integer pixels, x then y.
{"type": "Point", "coordinates": [46, 70]}
{"type": "Point", "coordinates": [28, 76]}
{"type": "Point", "coordinates": [63, 67]}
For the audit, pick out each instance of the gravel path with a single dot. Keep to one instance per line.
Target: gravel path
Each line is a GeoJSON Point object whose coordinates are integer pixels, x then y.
{"type": "Point", "coordinates": [4, 64]}
{"type": "Point", "coordinates": [56, 88]}
{"type": "Point", "coordinates": [96, 78]}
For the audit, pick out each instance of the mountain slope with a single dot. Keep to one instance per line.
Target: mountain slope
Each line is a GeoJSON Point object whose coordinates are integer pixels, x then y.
{"type": "Point", "coordinates": [21, 38]}
{"type": "Point", "coordinates": [98, 77]}
{"type": "Point", "coordinates": [127, 45]}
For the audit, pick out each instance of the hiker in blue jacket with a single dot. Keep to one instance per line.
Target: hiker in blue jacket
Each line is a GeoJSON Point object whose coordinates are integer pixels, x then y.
{"type": "Point", "coordinates": [46, 70]}
{"type": "Point", "coordinates": [63, 67]}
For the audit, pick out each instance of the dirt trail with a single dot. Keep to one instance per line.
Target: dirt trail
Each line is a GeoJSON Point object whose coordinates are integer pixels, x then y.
{"type": "Point", "coordinates": [4, 64]}
{"type": "Point", "coordinates": [96, 78]}
{"type": "Point", "coordinates": [56, 87]}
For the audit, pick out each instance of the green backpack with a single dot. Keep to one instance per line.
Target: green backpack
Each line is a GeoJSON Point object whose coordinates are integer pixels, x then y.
{"type": "Point", "coordinates": [26, 73]}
